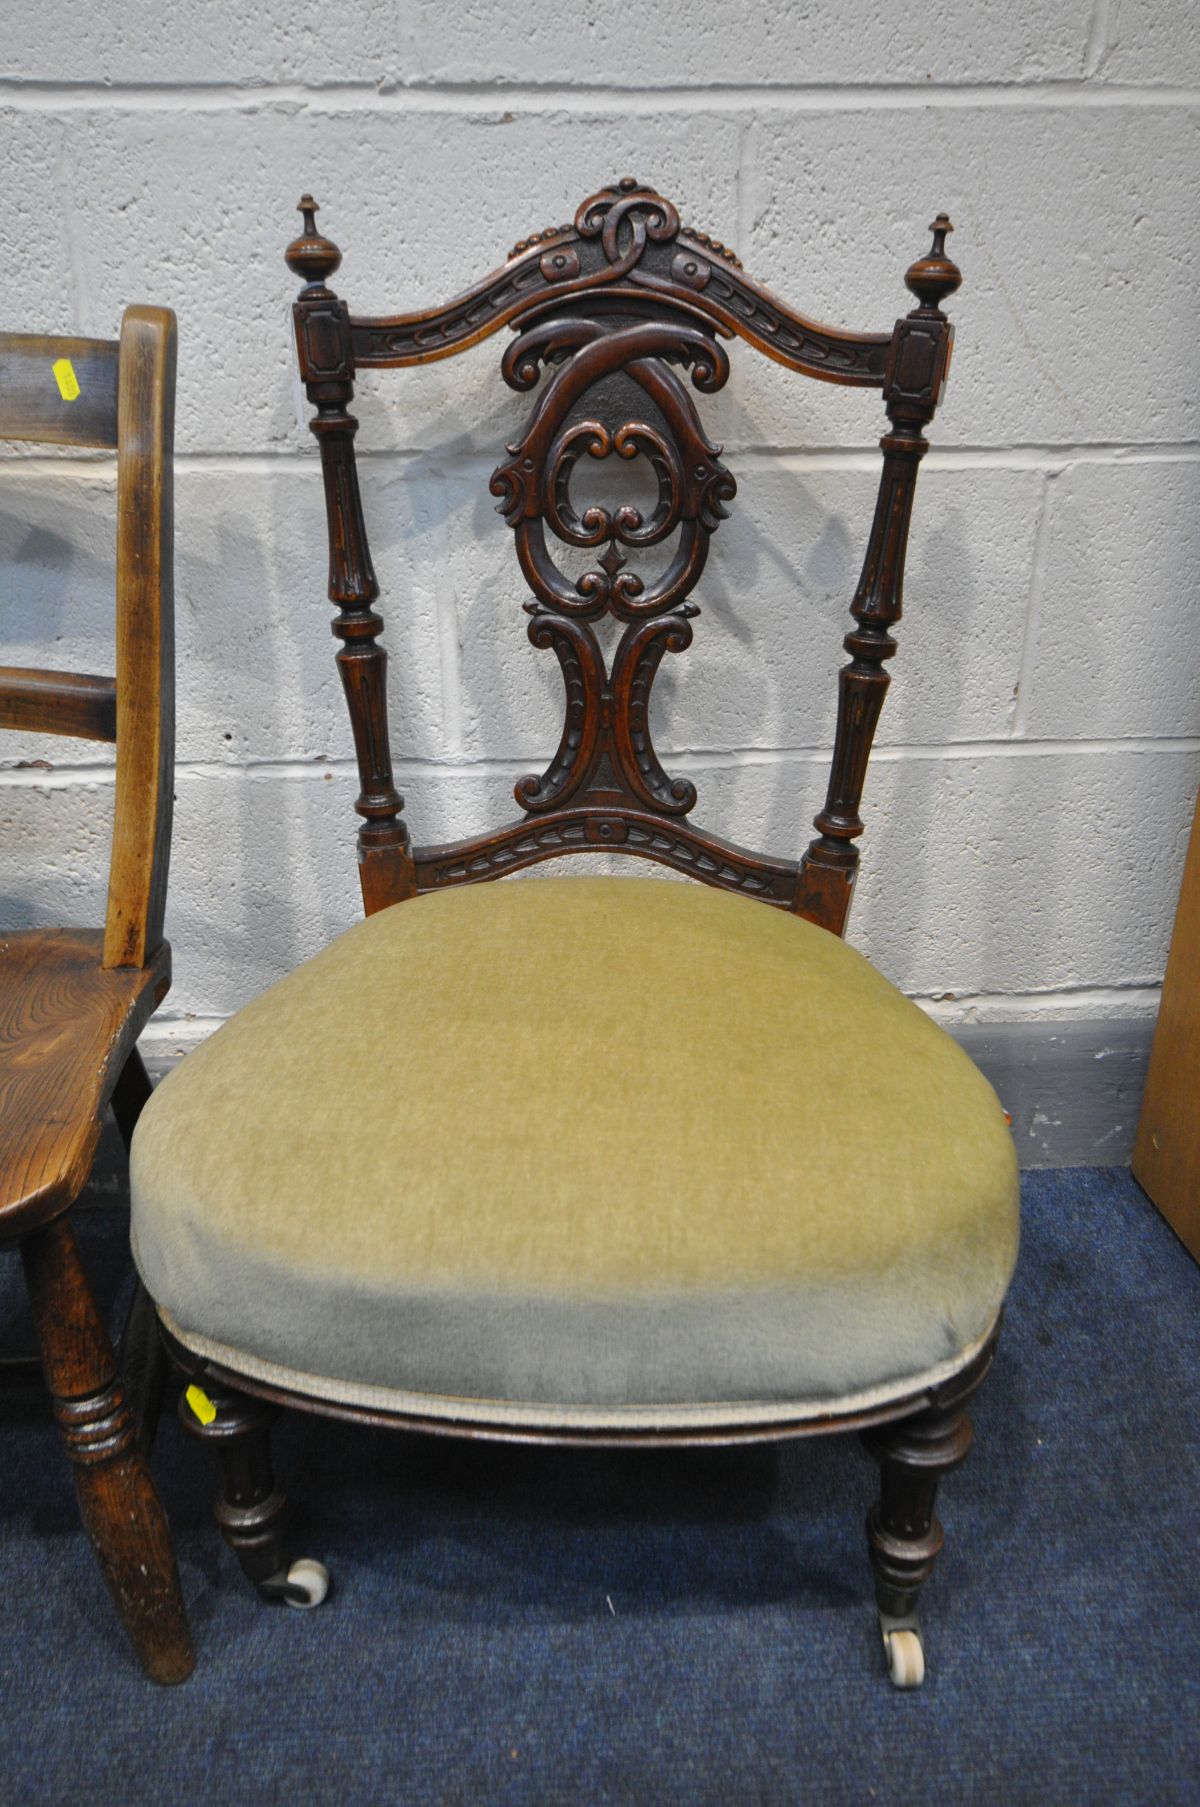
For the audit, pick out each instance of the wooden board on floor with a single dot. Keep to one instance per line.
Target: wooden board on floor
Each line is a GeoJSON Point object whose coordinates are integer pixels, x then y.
{"type": "Point", "coordinates": [1166, 1158]}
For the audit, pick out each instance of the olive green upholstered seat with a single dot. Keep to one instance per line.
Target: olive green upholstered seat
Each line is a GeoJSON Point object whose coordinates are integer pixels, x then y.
{"type": "Point", "coordinates": [593, 1151]}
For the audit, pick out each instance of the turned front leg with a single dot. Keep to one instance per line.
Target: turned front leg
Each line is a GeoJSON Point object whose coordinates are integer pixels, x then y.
{"type": "Point", "coordinates": [250, 1507]}
{"type": "Point", "coordinates": [118, 1501]}
{"type": "Point", "coordinates": [903, 1530]}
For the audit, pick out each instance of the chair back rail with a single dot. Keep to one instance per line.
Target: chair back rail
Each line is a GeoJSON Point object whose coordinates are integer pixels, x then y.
{"type": "Point", "coordinates": [619, 316]}
{"type": "Point", "coordinates": [58, 702]}
{"type": "Point", "coordinates": [58, 391]}
{"type": "Point", "coordinates": [121, 395]}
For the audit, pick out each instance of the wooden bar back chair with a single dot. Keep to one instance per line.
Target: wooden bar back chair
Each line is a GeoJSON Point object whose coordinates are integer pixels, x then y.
{"type": "Point", "coordinates": [594, 1160]}
{"type": "Point", "coordinates": [73, 1001]}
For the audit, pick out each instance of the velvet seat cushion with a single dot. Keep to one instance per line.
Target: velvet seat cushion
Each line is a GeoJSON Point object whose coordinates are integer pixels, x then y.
{"type": "Point", "coordinates": [580, 1150]}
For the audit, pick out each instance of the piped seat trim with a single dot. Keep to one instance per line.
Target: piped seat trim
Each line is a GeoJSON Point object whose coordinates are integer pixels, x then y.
{"type": "Point", "coordinates": [548, 1418]}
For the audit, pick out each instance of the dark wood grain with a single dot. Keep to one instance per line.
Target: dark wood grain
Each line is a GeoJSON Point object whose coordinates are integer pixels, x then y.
{"type": "Point", "coordinates": [143, 1361]}
{"type": "Point", "coordinates": [67, 1025]}
{"type": "Point", "coordinates": [118, 1501]}
{"type": "Point", "coordinates": [58, 702]}
{"type": "Point", "coordinates": [685, 848]}
{"type": "Point", "coordinates": [33, 407]}
{"type": "Point", "coordinates": [384, 854]}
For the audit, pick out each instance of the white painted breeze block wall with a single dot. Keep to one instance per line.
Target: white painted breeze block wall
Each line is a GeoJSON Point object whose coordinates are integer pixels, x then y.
{"type": "Point", "coordinates": [1032, 789]}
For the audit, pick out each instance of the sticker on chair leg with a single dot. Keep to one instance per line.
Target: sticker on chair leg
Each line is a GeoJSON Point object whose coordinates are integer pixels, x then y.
{"type": "Point", "coordinates": [202, 1406]}
{"type": "Point", "coordinates": [64, 376]}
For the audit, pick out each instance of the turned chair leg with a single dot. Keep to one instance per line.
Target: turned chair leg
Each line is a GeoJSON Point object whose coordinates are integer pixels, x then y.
{"type": "Point", "coordinates": [144, 1366]}
{"type": "Point", "coordinates": [250, 1507]}
{"type": "Point", "coordinates": [130, 1094]}
{"type": "Point", "coordinates": [904, 1534]}
{"type": "Point", "coordinates": [143, 1360]}
{"type": "Point", "coordinates": [118, 1501]}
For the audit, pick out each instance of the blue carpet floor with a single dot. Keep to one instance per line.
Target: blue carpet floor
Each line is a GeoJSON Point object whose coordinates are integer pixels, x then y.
{"type": "Point", "coordinates": [527, 1626]}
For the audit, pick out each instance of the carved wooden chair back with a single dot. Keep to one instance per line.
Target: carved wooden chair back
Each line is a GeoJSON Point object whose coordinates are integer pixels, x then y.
{"type": "Point", "coordinates": [616, 308]}
{"type": "Point", "coordinates": [119, 395]}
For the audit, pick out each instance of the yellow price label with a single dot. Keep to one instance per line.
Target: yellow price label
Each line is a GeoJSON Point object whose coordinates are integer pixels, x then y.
{"type": "Point", "coordinates": [202, 1406]}
{"type": "Point", "coordinates": [64, 376]}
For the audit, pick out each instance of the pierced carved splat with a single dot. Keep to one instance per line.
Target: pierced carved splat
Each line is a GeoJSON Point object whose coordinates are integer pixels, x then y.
{"type": "Point", "coordinates": [606, 755]}
{"type": "Point", "coordinates": [534, 482]}
{"type": "Point", "coordinates": [620, 318]}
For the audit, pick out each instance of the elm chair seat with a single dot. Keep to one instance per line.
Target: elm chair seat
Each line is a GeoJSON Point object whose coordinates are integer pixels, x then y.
{"type": "Point", "coordinates": [597, 1152]}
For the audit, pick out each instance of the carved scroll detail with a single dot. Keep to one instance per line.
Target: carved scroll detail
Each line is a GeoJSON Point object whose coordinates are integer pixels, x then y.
{"type": "Point", "coordinates": [606, 729]}
{"type": "Point", "coordinates": [625, 218]}
{"type": "Point", "coordinates": [638, 658]}
{"type": "Point", "coordinates": [693, 485]}
{"type": "Point", "coordinates": [583, 672]}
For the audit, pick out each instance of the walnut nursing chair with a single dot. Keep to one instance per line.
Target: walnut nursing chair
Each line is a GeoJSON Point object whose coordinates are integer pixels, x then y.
{"type": "Point", "coordinates": [593, 1160]}
{"type": "Point", "coordinates": [74, 1000]}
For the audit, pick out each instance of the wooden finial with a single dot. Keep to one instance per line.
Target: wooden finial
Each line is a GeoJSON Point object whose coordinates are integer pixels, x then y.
{"type": "Point", "coordinates": [311, 256]}
{"type": "Point", "coordinates": [935, 276]}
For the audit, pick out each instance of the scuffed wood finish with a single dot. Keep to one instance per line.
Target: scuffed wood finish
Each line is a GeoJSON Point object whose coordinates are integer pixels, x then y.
{"type": "Point", "coordinates": [32, 405]}
{"type": "Point", "coordinates": [67, 1026]}
{"type": "Point", "coordinates": [58, 702]}
{"type": "Point", "coordinates": [118, 1501]}
{"type": "Point", "coordinates": [73, 1001]}
{"type": "Point", "coordinates": [141, 845]}
{"type": "Point", "coordinates": [619, 317]}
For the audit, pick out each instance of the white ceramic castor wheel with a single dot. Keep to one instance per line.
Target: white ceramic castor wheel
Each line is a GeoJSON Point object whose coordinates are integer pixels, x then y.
{"type": "Point", "coordinates": [307, 1578]}
{"type": "Point", "coordinates": [904, 1651]}
{"type": "Point", "coordinates": [905, 1659]}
